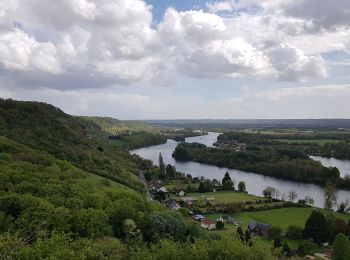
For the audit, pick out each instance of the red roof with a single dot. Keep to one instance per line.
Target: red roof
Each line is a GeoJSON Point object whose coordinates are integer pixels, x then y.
{"type": "Point", "coordinates": [208, 222]}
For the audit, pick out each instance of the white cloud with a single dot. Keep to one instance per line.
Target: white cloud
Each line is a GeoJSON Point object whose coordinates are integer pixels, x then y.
{"type": "Point", "coordinates": [90, 44]}
{"type": "Point", "coordinates": [321, 101]}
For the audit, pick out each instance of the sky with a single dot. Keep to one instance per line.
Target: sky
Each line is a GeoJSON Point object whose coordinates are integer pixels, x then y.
{"type": "Point", "coordinates": [167, 59]}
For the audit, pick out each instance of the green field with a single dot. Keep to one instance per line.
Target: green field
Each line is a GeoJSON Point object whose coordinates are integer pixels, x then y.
{"type": "Point", "coordinates": [321, 142]}
{"type": "Point", "coordinates": [277, 217]}
{"type": "Point", "coordinates": [103, 183]}
{"type": "Point", "coordinates": [224, 197]}
{"type": "Point", "coordinates": [283, 217]}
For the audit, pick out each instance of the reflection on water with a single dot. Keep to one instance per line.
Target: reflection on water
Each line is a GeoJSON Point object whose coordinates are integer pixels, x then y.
{"type": "Point", "coordinates": [255, 183]}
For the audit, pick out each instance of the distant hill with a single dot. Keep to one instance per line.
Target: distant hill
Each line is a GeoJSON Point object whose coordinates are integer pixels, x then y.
{"type": "Point", "coordinates": [253, 123]}
{"type": "Point", "coordinates": [115, 126]}
{"type": "Point", "coordinates": [45, 128]}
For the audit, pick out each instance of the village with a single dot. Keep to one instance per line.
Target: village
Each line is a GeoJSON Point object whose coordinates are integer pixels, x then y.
{"type": "Point", "coordinates": [225, 208]}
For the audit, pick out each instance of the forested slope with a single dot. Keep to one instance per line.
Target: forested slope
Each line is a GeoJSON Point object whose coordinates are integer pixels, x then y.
{"type": "Point", "coordinates": [46, 128]}
{"type": "Point", "coordinates": [54, 204]}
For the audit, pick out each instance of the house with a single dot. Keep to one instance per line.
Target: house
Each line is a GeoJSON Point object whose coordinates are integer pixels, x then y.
{"type": "Point", "coordinates": [208, 224]}
{"type": "Point", "coordinates": [162, 189]}
{"type": "Point", "coordinates": [189, 201]}
{"type": "Point", "coordinates": [181, 193]}
{"type": "Point", "coordinates": [229, 220]}
{"type": "Point", "coordinates": [225, 219]}
{"type": "Point", "coordinates": [172, 204]}
{"type": "Point", "coordinates": [198, 217]}
{"type": "Point", "coordinates": [259, 228]}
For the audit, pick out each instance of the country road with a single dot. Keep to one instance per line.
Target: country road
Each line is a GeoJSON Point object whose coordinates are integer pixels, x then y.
{"type": "Point", "coordinates": [148, 193]}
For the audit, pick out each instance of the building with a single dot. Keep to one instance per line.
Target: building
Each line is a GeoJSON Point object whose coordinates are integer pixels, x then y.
{"type": "Point", "coordinates": [181, 193]}
{"type": "Point", "coordinates": [188, 201]}
{"type": "Point", "coordinates": [261, 229]}
{"type": "Point", "coordinates": [198, 217]}
{"type": "Point", "coordinates": [208, 224]}
{"type": "Point", "coordinates": [162, 189]}
{"type": "Point", "coordinates": [172, 204]}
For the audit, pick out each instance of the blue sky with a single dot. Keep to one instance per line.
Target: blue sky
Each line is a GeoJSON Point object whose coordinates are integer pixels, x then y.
{"type": "Point", "coordinates": [204, 59]}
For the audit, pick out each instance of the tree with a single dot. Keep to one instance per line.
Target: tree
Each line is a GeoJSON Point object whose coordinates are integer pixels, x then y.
{"type": "Point", "coordinates": [330, 195]}
{"type": "Point", "coordinates": [341, 248]}
{"type": "Point", "coordinates": [247, 237]}
{"type": "Point", "coordinates": [270, 192]}
{"type": "Point", "coordinates": [292, 195]}
{"type": "Point", "coordinates": [226, 178]}
{"type": "Point", "coordinates": [170, 171]}
{"type": "Point", "coordinates": [240, 233]}
{"type": "Point", "coordinates": [316, 228]}
{"type": "Point", "coordinates": [277, 243]}
{"type": "Point", "coordinates": [219, 225]}
{"type": "Point", "coordinates": [228, 185]}
{"type": "Point", "coordinates": [130, 229]}
{"type": "Point", "coordinates": [286, 250]}
{"type": "Point", "coordinates": [309, 200]}
{"type": "Point", "coordinates": [294, 232]}
{"type": "Point", "coordinates": [205, 186]}
{"type": "Point", "coordinates": [161, 164]}
{"type": "Point", "coordinates": [343, 207]}
{"type": "Point", "coordinates": [241, 186]}
{"type": "Point", "coordinates": [275, 232]}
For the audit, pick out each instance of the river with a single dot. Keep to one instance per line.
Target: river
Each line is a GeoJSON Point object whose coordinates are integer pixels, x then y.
{"type": "Point", "coordinates": [255, 183]}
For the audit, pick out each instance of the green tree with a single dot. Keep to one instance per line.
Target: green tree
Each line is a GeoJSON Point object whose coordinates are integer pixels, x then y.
{"type": "Point", "coordinates": [241, 186]}
{"type": "Point", "coordinates": [341, 248]}
{"type": "Point", "coordinates": [161, 164]}
{"type": "Point", "coordinates": [170, 171]}
{"type": "Point", "coordinates": [316, 228]}
{"type": "Point", "coordinates": [226, 178]}
{"type": "Point", "coordinates": [228, 185]}
{"type": "Point", "coordinates": [330, 195]}
{"type": "Point", "coordinates": [294, 232]}
{"type": "Point", "coordinates": [286, 250]}
{"type": "Point", "coordinates": [275, 232]}
{"type": "Point", "coordinates": [219, 225]}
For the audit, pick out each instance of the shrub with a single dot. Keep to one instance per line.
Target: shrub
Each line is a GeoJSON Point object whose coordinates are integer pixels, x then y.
{"type": "Point", "coordinates": [219, 225]}
{"type": "Point", "coordinates": [275, 232]}
{"type": "Point", "coordinates": [294, 232]}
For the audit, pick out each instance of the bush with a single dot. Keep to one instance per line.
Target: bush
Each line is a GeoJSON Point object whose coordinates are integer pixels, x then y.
{"type": "Point", "coordinates": [219, 225]}
{"type": "Point", "coordinates": [275, 232]}
{"type": "Point", "coordinates": [294, 232]}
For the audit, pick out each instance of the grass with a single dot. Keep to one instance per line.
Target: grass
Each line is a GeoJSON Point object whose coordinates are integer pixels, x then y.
{"type": "Point", "coordinates": [320, 142]}
{"type": "Point", "coordinates": [103, 183]}
{"type": "Point", "coordinates": [283, 218]}
{"type": "Point", "coordinates": [224, 197]}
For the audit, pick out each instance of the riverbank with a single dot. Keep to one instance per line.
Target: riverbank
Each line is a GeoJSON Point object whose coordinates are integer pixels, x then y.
{"type": "Point", "coordinates": [255, 183]}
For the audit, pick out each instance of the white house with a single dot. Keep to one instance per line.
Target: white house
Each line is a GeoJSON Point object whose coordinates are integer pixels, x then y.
{"type": "Point", "coordinates": [163, 189]}
{"type": "Point", "coordinates": [181, 193]}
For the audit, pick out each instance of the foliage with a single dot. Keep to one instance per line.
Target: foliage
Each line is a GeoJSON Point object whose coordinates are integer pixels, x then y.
{"type": "Point", "coordinates": [275, 232]}
{"type": "Point", "coordinates": [330, 195]}
{"type": "Point", "coordinates": [226, 178]}
{"type": "Point", "coordinates": [294, 232]}
{"type": "Point", "coordinates": [47, 129]}
{"type": "Point", "coordinates": [267, 161]}
{"type": "Point", "coordinates": [241, 186]}
{"type": "Point", "coordinates": [341, 248]}
{"type": "Point", "coordinates": [219, 225]}
{"type": "Point", "coordinates": [316, 228]}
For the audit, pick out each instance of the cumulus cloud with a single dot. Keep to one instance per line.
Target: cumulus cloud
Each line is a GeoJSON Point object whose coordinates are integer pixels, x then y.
{"type": "Point", "coordinates": [90, 44]}
{"type": "Point", "coordinates": [324, 14]}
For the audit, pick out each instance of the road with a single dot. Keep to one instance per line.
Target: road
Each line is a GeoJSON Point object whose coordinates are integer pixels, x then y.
{"type": "Point", "coordinates": [148, 193]}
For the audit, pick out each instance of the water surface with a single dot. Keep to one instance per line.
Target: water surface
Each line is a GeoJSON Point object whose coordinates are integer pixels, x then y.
{"type": "Point", "coordinates": [255, 183]}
